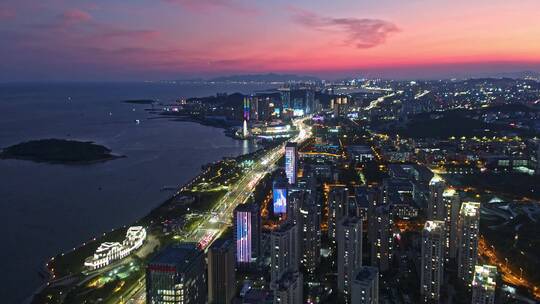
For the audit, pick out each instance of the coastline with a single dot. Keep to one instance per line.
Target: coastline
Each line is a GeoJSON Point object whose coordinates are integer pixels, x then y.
{"type": "Point", "coordinates": [48, 274]}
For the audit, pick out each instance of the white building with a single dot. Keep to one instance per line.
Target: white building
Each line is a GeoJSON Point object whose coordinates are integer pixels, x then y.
{"type": "Point", "coordinates": [365, 286]}
{"type": "Point", "coordinates": [433, 237]}
{"type": "Point", "coordinates": [484, 284]}
{"type": "Point", "coordinates": [468, 230]}
{"type": "Point", "coordinates": [109, 252]}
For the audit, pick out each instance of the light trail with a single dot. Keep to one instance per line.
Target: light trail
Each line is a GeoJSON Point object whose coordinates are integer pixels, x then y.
{"type": "Point", "coordinates": [206, 232]}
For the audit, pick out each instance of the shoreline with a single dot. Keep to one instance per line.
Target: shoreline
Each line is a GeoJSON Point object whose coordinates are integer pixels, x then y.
{"type": "Point", "coordinates": [48, 276]}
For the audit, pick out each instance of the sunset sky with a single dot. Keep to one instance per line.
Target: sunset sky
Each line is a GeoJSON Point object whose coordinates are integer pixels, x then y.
{"type": "Point", "coordinates": [177, 39]}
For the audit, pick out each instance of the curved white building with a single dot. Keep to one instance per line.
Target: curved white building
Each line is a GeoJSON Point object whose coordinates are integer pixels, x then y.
{"type": "Point", "coordinates": [109, 252]}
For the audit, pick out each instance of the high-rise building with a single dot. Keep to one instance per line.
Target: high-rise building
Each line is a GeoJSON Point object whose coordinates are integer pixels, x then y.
{"type": "Point", "coordinates": [310, 101]}
{"type": "Point", "coordinates": [176, 275]}
{"type": "Point", "coordinates": [221, 272]}
{"type": "Point", "coordinates": [247, 105]}
{"type": "Point", "coordinates": [338, 207]}
{"type": "Point", "coordinates": [381, 237]}
{"type": "Point", "coordinates": [433, 237]}
{"type": "Point", "coordinates": [310, 232]}
{"type": "Point", "coordinates": [484, 284]}
{"type": "Point", "coordinates": [468, 230]}
{"type": "Point", "coordinates": [365, 286]}
{"type": "Point", "coordinates": [285, 98]}
{"type": "Point", "coordinates": [284, 251]}
{"type": "Point", "coordinates": [435, 210]}
{"type": "Point", "coordinates": [452, 203]}
{"type": "Point", "coordinates": [247, 232]}
{"type": "Point", "coordinates": [349, 253]}
{"type": "Point", "coordinates": [291, 162]}
{"type": "Point", "coordinates": [289, 289]}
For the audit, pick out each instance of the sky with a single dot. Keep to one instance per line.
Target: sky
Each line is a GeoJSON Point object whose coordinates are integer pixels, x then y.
{"type": "Point", "coordinates": [55, 40]}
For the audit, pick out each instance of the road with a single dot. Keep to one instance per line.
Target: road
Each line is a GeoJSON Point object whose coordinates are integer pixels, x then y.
{"type": "Point", "coordinates": [220, 217]}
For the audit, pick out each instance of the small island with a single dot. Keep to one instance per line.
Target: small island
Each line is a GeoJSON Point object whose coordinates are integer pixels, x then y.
{"type": "Point", "coordinates": [58, 151]}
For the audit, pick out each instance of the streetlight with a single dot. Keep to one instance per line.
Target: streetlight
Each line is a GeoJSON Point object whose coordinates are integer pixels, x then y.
{"type": "Point", "coordinates": [506, 260]}
{"type": "Point", "coordinates": [521, 275]}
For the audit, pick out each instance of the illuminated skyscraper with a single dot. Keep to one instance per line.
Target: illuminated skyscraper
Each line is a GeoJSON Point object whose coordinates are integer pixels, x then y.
{"type": "Point", "coordinates": [285, 98]}
{"type": "Point", "coordinates": [338, 207]}
{"type": "Point", "coordinates": [484, 284]}
{"type": "Point", "coordinates": [380, 233]}
{"type": "Point", "coordinates": [468, 230]}
{"type": "Point", "coordinates": [435, 210]}
{"type": "Point", "coordinates": [349, 253]}
{"type": "Point", "coordinates": [247, 228]}
{"type": "Point", "coordinates": [221, 272]}
{"type": "Point", "coordinates": [176, 275]}
{"type": "Point", "coordinates": [365, 286]}
{"type": "Point", "coordinates": [245, 131]}
{"type": "Point", "coordinates": [432, 256]}
{"type": "Point", "coordinates": [246, 108]}
{"type": "Point", "coordinates": [284, 255]}
{"type": "Point", "coordinates": [291, 162]}
{"type": "Point", "coordinates": [452, 203]}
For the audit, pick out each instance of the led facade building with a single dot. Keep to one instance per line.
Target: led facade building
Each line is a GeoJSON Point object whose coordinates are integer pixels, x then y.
{"type": "Point", "coordinates": [221, 272]}
{"type": "Point", "coordinates": [484, 284]}
{"type": "Point", "coordinates": [247, 234]}
{"type": "Point", "coordinates": [433, 237]}
{"type": "Point", "coordinates": [365, 286]}
{"type": "Point", "coordinates": [177, 275]}
{"type": "Point", "coordinates": [349, 253]}
{"type": "Point", "coordinates": [468, 230]}
{"type": "Point", "coordinates": [291, 162]}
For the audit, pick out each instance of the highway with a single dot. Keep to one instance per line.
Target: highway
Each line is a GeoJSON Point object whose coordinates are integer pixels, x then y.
{"type": "Point", "coordinates": [220, 217]}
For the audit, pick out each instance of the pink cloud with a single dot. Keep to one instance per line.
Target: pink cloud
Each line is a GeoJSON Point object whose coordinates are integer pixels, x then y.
{"type": "Point", "coordinates": [205, 5]}
{"type": "Point", "coordinates": [74, 16]}
{"type": "Point", "coordinates": [363, 33]}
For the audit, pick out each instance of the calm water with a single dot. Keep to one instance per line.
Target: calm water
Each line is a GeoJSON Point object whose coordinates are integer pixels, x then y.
{"type": "Point", "coordinates": [46, 209]}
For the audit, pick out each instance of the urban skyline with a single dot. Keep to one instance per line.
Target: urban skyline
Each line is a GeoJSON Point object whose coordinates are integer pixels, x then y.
{"type": "Point", "coordinates": [270, 152]}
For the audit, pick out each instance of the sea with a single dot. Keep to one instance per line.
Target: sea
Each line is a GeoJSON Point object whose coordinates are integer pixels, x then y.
{"type": "Point", "coordinates": [46, 209]}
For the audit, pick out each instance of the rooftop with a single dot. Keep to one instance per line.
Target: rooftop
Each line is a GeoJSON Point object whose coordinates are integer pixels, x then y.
{"type": "Point", "coordinates": [470, 209]}
{"type": "Point", "coordinates": [178, 255]}
{"type": "Point", "coordinates": [366, 273]}
{"type": "Point", "coordinates": [485, 276]}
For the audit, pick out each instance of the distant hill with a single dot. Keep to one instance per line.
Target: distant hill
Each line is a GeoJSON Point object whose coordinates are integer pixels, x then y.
{"type": "Point", "coordinates": [271, 77]}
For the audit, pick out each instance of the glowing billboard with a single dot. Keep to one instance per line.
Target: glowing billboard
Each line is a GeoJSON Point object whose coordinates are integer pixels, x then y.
{"type": "Point", "coordinates": [243, 237]}
{"type": "Point", "coordinates": [280, 200]}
